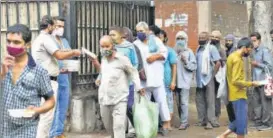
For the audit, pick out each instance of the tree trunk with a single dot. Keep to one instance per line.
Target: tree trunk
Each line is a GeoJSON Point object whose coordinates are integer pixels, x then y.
{"type": "Point", "coordinates": [262, 21]}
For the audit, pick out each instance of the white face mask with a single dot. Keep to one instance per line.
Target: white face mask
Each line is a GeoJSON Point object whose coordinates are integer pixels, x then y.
{"type": "Point", "coordinates": [58, 32]}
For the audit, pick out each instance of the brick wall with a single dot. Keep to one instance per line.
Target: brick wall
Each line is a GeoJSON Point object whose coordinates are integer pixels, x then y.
{"type": "Point", "coordinates": [229, 17]}
{"type": "Point", "coordinates": [164, 9]}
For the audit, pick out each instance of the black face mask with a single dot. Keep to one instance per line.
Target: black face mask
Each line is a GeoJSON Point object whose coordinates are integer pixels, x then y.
{"type": "Point", "coordinates": [228, 46]}
{"type": "Point", "coordinates": [246, 54]}
{"type": "Point", "coordinates": [202, 42]}
{"type": "Point", "coordinates": [214, 42]}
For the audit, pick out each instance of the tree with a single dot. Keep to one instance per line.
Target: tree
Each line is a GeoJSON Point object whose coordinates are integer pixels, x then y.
{"type": "Point", "coordinates": [262, 20]}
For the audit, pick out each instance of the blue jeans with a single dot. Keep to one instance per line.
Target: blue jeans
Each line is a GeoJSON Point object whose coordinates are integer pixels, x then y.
{"type": "Point", "coordinates": [169, 95]}
{"type": "Point", "coordinates": [182, 96]}
{"type": "Point", "coordinates": [62, 104]}
{"type": "Point", "coordinates": [239, 125]}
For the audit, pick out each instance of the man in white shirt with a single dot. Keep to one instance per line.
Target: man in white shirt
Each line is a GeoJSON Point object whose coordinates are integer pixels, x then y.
{"type": "Point", "coordinates": [46, 53]}
{"type": "Point", "coordinates": [116, 73]}
{"type": "Point", "coordinates": [153, 53]}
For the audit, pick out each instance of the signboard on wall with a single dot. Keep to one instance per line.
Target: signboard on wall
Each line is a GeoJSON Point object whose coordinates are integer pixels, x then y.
{"type": "Point", "coordinates": [177, 19]}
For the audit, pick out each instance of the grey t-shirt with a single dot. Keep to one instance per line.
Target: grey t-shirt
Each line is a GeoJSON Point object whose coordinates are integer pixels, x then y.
{"type": "Point", "coordinates": [43, 48]}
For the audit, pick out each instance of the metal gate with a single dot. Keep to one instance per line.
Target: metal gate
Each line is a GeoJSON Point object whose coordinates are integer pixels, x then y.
{"type": "Point", "coordinates": [92, 20]}
{"type": "Point", "coordinates": [86, 22]}
{"type": "Point", "coordinates": [25, 12]}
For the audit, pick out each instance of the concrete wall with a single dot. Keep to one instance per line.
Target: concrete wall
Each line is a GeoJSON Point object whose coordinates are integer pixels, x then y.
{"type": "Point", "coordinates": [229, 17]}
{"type": "Point", "coordinates": [164, 10]}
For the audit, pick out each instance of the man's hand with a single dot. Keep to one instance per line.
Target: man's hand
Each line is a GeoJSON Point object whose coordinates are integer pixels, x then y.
{"type": "Point", "coordinates": [172, 86]}
{"type": "Point", "coordinates": [183, 58]}
{"type": "Point", "coordinates": [8, 62]}
{"type": "Point", "coordinates": [76, 52]}
{"type": "Point", "coordinates": [142, 92]}
{"type": "Point", "coordinates": [255, 84]}
{"type": "Point", "coordinates": [32, 109]}
{"type": "Point", "coordinates": [95, 61]}
{"type": "Point", "coordinates": [254, 63]}
{"type": "Point", "coordinates": [97, 82]}
{"type": "Point", "coordinates": [64, 71]}
{"type": "Point", "coordinates": [151, 59]}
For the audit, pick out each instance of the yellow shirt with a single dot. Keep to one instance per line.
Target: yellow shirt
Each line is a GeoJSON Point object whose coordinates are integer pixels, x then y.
{"type": "Point", "coordinates": [236, 77]}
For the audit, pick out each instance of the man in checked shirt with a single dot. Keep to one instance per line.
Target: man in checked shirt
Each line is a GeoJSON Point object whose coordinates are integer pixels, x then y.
{"type": "Point", "coordinates": [24, 84]}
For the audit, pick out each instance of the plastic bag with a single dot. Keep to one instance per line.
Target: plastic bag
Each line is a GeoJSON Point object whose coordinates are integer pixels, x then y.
{"type": "Point", "coordinates": [145, 115]}
{"type": "Point", "coordinates": [268, 88]}
{"type": "Point", "coordinates": [222, 92]}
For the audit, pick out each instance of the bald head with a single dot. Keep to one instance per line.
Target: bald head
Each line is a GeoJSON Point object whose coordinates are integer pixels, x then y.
{"type": "Point", "coordinates": [216, 34]}
{"type": "Point", "coordinates": [106, 42]}
{"type": "Point", "coordinates": [106, 39]}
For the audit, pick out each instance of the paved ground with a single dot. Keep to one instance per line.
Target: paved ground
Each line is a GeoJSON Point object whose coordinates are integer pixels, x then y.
{"type": "Point", "coordinates": [193, 131]}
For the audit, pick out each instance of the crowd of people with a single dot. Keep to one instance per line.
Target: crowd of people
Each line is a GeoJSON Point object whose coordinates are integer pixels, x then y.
{"type": "Point", "coordinates": [134, 64]}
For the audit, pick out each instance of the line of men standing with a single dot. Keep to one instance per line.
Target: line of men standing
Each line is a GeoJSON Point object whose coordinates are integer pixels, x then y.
{"type": "Point", "coordinates": [147, 66]}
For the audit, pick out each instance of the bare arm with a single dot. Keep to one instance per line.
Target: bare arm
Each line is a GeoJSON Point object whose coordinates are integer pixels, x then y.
{"type": "Point", "coordinates": [174, 72]}
{"type": "Point", "coordinates": [61, 55]}
{"type": "Point", "coordinates": [48, 104]}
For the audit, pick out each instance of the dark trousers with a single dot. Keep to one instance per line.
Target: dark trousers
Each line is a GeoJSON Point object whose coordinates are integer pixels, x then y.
{"type": "Point", "coordinates": [217, 101]}
{"type": "Point", "coordinates": [262, 106]}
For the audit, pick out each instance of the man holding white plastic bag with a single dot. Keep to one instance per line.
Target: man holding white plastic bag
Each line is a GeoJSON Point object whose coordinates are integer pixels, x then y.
{"type": "Point", "coordinates": [262, 61]}
{"type": "Point", "coordinates": [153, 53]}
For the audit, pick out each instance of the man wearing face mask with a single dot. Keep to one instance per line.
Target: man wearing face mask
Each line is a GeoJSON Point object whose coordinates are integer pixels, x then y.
{"type": "Point", "coordinates": [24, 84]}
{"type": "Point", "coordinates": [216, 38]}
{"type": "Point", "coordinates": [127, 49]}
{"type": "Point", "coordinates": [115, 69]}
{"type": "Point", "coordinates": [169, 74]}
{"type": "Point", "coordinates": [57, 128]}
{"type": "Point", "coordinates": [208, 63]}
{"type": "Point", "coordinates": [46, 52]}
{"type": "Point", "coordinates": [186, 65]}
{"type": "Point", "coordinates": [229, 43]}
{"type": "Point", "coordinates": [237, 89]}
{"type": "Point", "coordinates": [261, 64]}
{"type": "Point", "coordinates": [153, 53]}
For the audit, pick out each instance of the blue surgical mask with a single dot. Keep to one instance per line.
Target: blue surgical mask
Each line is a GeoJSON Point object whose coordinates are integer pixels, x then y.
{"type": "Point", "coordinates": [181, 43]}
{"type": "Point", "coordinates": [141, 36]}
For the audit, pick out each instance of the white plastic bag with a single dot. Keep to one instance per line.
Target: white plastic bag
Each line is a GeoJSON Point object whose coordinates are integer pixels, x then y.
{"type": "Point", "coordinates": [145, 115]}
{"type": "Point", "coordinates": [222, 92]}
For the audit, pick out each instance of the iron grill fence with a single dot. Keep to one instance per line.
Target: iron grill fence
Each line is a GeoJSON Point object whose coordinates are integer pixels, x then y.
{"type": "Point", "coordinates": [86, 22]}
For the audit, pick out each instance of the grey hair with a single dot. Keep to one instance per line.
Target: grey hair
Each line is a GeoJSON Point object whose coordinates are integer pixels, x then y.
{"type": "Point", "coordinates": [142, 24]}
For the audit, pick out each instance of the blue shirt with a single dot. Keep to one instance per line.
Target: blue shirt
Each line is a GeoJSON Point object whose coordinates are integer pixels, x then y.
{"type": "Point", "coordinates": [128, 49]}
{"type": "Point", "coordinates": [203, 80]}
{"type": "Point", "coordinates": [264, 58]}
{"type": "Point", "coordinates": [185, 69]}
{"type": "Point", "coordinates": [32, 85]}
{"type": "Point", "coordinates": [171, 59]}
